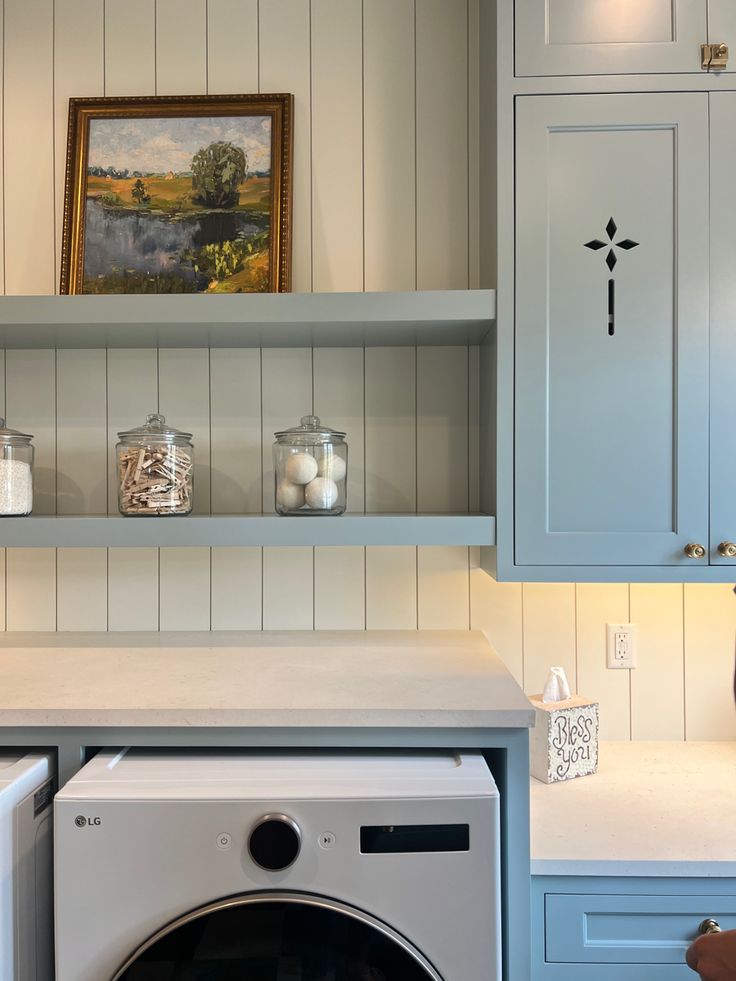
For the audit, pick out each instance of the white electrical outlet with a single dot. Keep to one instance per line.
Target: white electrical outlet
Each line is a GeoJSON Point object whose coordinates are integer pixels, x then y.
{"type": "Point", "coordinates": [621, 645]}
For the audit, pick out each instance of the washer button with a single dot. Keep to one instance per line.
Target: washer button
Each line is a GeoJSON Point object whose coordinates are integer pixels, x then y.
{"type": "Point", "coordinates": [224, 841]}
{"type": "Point", "coordinates": [327, 840]}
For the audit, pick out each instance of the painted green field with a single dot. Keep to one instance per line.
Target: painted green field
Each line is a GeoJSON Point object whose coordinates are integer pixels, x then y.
{"type": "Point", "coordinates": [174, 195]}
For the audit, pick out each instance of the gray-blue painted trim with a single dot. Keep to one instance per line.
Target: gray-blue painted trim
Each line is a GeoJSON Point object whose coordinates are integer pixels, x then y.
{"type": "Point", "coordinates": [42, 531]}
{"type": "Point", "coordinates": [249, 320]}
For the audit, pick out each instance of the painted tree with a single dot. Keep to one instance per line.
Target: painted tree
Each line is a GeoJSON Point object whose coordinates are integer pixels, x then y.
{"type": "Point", "coordinates": [138, 191]}
{"type": "Point", "coordinates": [218, 170]}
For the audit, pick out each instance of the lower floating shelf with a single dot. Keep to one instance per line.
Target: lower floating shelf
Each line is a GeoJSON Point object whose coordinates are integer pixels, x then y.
{"type": "Point", "coordinates": [85, 531]}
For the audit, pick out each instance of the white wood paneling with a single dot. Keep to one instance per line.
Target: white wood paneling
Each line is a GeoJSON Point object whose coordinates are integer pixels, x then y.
{"type": "Point", "coordinates": [596, 605]}
{"type": "Point", "coordinates": [181, 47]}
{"type": "Point", "coordinates": [390, 429]}
{"type": "Point", "coordinates": [549, 632]}
{"type": "Point", "coordinates": [284, 32]}
{"type": "Point", "coordinates": [337, 164]}
{"type": "Point", "coordinates": [132, 586]}
{"type": "Point", "coordinates": [31, 588]}
{"type": "Point", "coordinates": [710, 637]}
{"type": "Point", "coordinates": [28, 135]}
{"type": "Point", "coordinates": [496, 608]}
{"type": "Point", "coordinates": [442, 145]}
{"type": "Point", "coordinates": [184, 591]}
{"type": "Point", "coordinates": [79, 70]}
{"type": "Point", "coordinates": [339, 588]}
{"type": "Point", "coordinates": [232, 46]}
{"type": "Point", "coordinates": [237, 588]}
{"type": "Point", "coordinates": [130, 26]}
{"type": "Point", "coordinates": [443, 584]}
{"type": "Point", "coordinates": [389, 157]}
{"type": "Point", "coordinates": [288, 602]}
{"type": "Point", "coordinates": [81, 587]}
{"type": "Point", "coordinates": [657, 690]}
{"type": "Point", "coordinates": [81, 483]}
{"type": "Point", "coordinates": [390, 588]}
{"type": "Point", "coordinates": [442, 429]}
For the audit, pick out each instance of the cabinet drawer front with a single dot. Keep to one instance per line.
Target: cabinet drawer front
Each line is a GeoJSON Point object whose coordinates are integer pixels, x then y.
{"type": "Point", "coordinates": [609, 37]}
{"type": "Point", "coordinates": [588, 929]}
{"type": "Point", "coordinates": [611, 430]}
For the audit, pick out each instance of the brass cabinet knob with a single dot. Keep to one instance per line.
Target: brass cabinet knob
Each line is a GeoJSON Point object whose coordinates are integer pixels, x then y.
{"type": "Point", "coordinates": [694, 551]}
{"type": "Point", "coordinates": [727, 550]}
{"type": "Point", "coordinates": [709, 926]}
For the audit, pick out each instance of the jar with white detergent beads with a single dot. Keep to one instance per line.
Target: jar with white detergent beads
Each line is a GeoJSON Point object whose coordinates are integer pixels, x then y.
{"type": "Point", "coordinates": [310, 465]}
{"type": "Point", "coordinates": [16, 472]}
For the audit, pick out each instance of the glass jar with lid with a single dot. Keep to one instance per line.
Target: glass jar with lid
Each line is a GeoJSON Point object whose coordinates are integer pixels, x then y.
{"type": "Point", "coordinates": [16, 472]}
{"type": "Point", "coordinates": [155, 470]}
{"type": "Point", "coordinates": [310, 465]}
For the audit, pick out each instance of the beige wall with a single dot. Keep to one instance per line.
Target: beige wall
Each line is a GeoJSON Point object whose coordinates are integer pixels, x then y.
{"type": "Point", "coordinates": [385, 184]}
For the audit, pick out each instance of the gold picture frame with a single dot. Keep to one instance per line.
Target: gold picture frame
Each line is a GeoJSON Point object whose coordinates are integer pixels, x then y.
{"type": "Point", "coordinates": [171, 194]}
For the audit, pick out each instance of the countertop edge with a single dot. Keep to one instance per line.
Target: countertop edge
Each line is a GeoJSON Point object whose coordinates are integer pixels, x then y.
{"type": "Point", "coordinates": [265, 719]}
{"type": "Point", "coordinates": [621, 868]}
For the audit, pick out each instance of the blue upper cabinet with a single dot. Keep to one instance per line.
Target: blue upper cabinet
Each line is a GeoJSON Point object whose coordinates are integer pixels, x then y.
{"type": "Point", "coordinates": [611, 37]}
{"type": "Point", "coordinates": [611, 340]}
{"type": "Point", "coordinates": [723, 329]}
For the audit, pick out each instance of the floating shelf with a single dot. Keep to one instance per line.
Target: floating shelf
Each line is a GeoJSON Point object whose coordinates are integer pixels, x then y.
{"type": "Point", "coordinates": [40, 531]}
{"type": "Point", "coordinates": [434, 318]}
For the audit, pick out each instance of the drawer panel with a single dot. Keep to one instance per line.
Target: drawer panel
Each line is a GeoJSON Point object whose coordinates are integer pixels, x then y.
{"type": "Point", "coordinates": [610, 929]}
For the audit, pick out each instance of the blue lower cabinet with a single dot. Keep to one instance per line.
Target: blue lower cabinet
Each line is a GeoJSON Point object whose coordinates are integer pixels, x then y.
{"type": "Point", "coordinates": [622, 929]}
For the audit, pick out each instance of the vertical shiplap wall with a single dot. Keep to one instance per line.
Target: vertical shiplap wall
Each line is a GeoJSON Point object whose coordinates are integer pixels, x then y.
{"type": "Point", "coordinates": [385, 198]}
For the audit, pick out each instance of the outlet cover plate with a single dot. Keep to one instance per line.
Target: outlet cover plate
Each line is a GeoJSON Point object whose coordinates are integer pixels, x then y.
{"type": "Point", "coordinates": [621, 646]}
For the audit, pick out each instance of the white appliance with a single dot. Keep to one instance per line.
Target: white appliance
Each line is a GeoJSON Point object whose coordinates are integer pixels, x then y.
{"type": "Point", "coordinates": [224, 865]}
{"type": "Point", "coordinates": [26, 867]}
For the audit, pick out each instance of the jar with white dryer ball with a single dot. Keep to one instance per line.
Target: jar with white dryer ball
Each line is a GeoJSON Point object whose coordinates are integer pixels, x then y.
{"type": "Point", "coordinates": [310, 465]}
{"type": "Point", "coordinates": [16, 472]}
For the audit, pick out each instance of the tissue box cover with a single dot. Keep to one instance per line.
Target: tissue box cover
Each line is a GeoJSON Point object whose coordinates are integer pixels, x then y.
{"type": "Point", "coordinates": [564, 742]}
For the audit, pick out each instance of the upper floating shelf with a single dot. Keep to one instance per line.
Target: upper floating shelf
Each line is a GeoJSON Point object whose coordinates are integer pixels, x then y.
{"type": "Point", "coordinates": [71, 531]}
{"type": "Point", "coordinates": [436, 318]}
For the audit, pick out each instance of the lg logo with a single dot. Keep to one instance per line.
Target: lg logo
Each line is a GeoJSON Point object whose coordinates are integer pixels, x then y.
{"type": "Point", "coordinates": [84, 822]}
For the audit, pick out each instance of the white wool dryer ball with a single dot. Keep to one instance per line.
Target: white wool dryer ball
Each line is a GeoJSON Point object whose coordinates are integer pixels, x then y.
{"type": "Point", "coordinates": [321, 493]}
{"type": "Point", "coordinates": [300, 468]}
{"type": "Point", "coordinates": [331, 465]}
{"type": "Point", "coordinates": [289, 496]}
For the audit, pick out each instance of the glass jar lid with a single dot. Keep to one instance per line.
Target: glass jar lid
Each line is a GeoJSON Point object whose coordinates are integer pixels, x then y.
{"type": "Point", "coordinates": [310, 432]}
{"type": "Point", "coordinates": [12, 436]}
{"type": "Point", "coordinates": [156, 430]}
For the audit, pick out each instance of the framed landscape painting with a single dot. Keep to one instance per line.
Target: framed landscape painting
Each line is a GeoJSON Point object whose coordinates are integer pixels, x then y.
{"type": "Point", "coordinates": [178, 194]}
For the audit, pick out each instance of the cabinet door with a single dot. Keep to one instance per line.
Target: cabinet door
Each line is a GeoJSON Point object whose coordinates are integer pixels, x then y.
{"type": "Point", "coordinates": [609, 37]}
{"type": "Point", "coordinates": [611, 398]}
{"type": "Point", "coordinates": [722, 27]}
{"type": "Point", "coordinates": [723, 325]}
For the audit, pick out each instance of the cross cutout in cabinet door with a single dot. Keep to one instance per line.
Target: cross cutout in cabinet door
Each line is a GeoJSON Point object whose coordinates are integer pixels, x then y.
{"type": "Point", "coordinates": [611, 259]}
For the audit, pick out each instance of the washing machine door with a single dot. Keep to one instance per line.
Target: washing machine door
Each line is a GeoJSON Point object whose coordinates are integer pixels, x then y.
{"type": "Point", "coordinates": [277, 937]}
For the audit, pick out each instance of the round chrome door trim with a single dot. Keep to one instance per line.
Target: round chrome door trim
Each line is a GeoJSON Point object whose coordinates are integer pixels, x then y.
{"type": "Point", "coordinates": [301, 899]}
{"type": "Point", "coordinates": [290, 823]}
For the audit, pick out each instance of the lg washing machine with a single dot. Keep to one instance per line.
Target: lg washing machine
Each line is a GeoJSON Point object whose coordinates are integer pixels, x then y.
{"type": "Point", "coordinates": [217, 866]}
{"type": "Point", "coordinates": [26, 867]}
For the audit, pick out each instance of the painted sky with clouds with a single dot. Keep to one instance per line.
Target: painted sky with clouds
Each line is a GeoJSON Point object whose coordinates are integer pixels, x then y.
{"type": "Point", "coordinates": [160, 145]}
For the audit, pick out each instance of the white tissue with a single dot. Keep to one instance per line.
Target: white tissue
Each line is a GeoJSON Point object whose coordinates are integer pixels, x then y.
{"type": "Point", "coordinates": [556, 687]}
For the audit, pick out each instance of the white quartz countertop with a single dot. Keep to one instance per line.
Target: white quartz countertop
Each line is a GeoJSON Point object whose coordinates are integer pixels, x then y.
{"type": "Point", "coordinates": [666, 809]}
{"type": "Point", "coordinates": [386, 679]}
